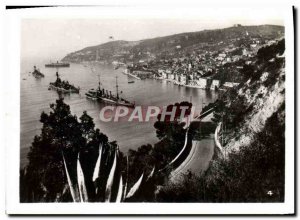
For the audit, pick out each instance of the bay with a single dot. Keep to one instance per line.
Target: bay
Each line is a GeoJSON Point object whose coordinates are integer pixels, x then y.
{"type": "Point", "coordinates": [35, 98]}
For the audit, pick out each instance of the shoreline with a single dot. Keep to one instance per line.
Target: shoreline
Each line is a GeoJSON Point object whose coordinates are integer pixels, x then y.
{"type": "Point", "coordinates": [129, 74]}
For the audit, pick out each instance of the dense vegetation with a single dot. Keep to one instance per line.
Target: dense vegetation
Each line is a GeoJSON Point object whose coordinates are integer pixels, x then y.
{"type": "Point", "coordinates": [44, 178]}
{"type": "Point", "coordinates": [253, 174]}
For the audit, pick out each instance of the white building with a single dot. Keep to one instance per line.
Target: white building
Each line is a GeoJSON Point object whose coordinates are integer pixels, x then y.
{"type": "Point", "coordinates": [221, 56]}
{"type": "Point", "coordinates": [171, 76]}
{"type": "Point", "coordinates": [191, 76]}
{"type": "Point", "coordinates": [161, 71]}
{"type": "Point", "coordinates": [230, 84]}
{"type": "Point", "coordinates": [202, 83]}
{"type": "Point", "coordinates": [126, 71]}
{"type": "Point", "coordinates": [235, 58]}
{"type": "Point", "coordinates": [215, 84]}
{"type": "Point", "coordinates": [182, 79]}
{"type": "Point", "coordinates": [177, 77]}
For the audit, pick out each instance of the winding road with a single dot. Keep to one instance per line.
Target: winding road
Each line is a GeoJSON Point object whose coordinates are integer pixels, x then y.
{"type": "Point", "coordinates": [199, 157]}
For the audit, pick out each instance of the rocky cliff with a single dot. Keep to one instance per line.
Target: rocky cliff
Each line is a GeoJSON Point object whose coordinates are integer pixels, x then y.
{"type": "Point", "coordinates": [261, 96]}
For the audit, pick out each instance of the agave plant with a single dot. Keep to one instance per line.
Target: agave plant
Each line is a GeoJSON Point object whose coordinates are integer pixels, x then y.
{"type": "Point", "coordinates": [115, 188]}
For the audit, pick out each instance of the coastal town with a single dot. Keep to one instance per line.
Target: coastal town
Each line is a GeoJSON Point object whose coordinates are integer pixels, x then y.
{"type": "Point", "coordinates": [212, 70]}
{"type": "Point", "coordinates": [214, 63]}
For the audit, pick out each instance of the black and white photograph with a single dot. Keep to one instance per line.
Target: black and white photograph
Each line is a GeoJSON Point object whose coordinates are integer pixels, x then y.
{"type": "Point", "coordinates": [149, 108]}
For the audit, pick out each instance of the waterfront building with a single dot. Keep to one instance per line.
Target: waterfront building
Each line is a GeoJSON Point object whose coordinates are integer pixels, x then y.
{"type": "Point", "coordinates": [142, 74]}
{"type": "Point", "coordinates": [171, 76]}
{"type": "Point", "coordinates": [202, 83]}
{"type": "Point", "coordinates": [182, 79]}
{"type": "Point", "coordinates": [127, 71]}
{"type": "Point", "coordinates": [176, 77]}
{"type": "Point", "coordinates": [215, 84]}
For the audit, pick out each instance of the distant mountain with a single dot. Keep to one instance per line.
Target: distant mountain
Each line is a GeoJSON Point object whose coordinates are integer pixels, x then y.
{"type": "Point", "coordinates": [128, 51]}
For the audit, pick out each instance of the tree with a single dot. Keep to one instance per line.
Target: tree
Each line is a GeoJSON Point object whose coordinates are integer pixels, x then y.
{"type": "Point", "coordinates": [44, 178]}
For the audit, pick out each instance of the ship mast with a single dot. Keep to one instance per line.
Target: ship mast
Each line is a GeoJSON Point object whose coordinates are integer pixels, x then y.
{"type": "Point", "coordinates": [99, 83]}
{"type": "Point", "coordinates": [117, 87]}
{"type": "Point", "coordinates": [57, 75]}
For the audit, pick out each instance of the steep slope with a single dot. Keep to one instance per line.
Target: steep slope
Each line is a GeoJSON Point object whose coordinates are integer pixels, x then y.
{"type": "Point", "coordinates": [258, 99]}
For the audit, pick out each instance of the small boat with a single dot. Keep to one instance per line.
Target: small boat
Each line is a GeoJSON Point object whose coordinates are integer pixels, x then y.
{"type": "Point", "coordinates": [132, 81]}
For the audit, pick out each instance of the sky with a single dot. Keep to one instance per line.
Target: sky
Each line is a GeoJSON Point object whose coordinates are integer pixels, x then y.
{"type": "Point", "coordinates": [54, 38]}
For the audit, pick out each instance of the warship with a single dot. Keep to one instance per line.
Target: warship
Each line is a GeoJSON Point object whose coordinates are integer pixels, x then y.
{"type": "Point", "coordinates": [63, 86]}
{"type": "Point", "coordinates": [36, 73]}
{"type": "Point", "coordinates": [102, 95]}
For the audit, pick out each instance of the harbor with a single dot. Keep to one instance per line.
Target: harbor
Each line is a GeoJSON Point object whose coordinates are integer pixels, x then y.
{"type": "Point", "coordinates": [136, 110]}
{"type": "Point", "coordinates": [35, 98]}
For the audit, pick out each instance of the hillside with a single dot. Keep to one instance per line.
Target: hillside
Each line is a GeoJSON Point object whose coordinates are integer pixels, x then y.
{"type": "Point", "coordinates": [173, 45]}
{"type": "Point", "coordinates": [259, 98]}
{"type": "Point", "coordinates": [251, 167]}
